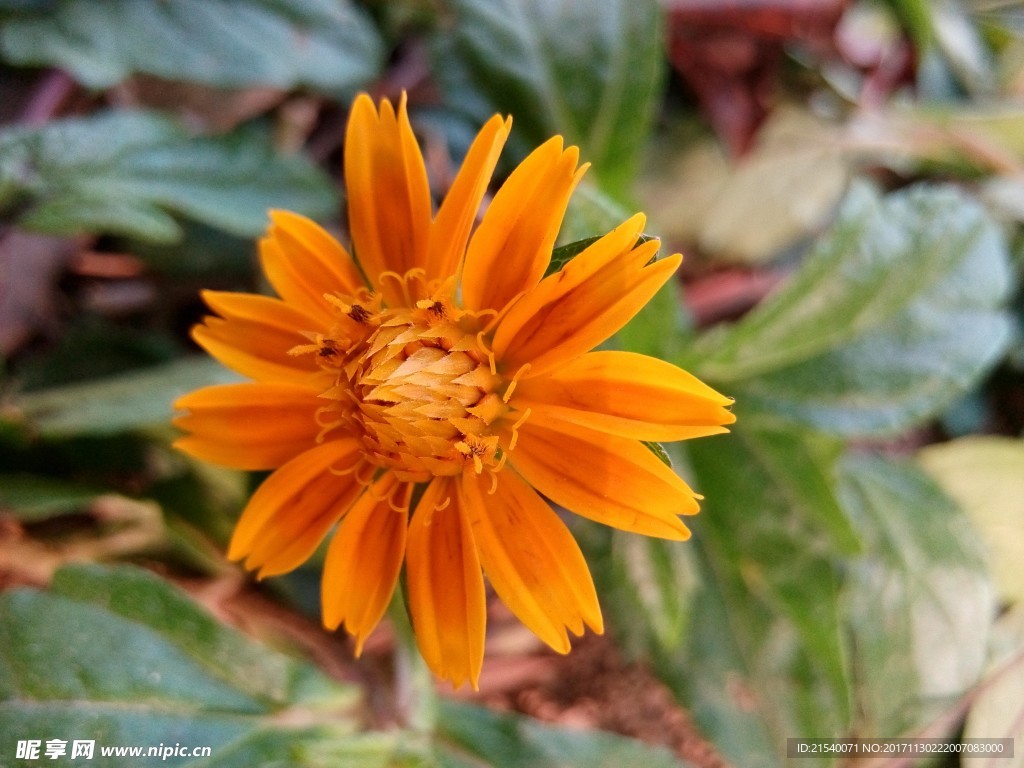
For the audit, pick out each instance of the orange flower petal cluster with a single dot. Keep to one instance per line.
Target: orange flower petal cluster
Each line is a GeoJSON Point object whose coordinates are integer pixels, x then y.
{"type": "Point", "coordinates": [426, 402]}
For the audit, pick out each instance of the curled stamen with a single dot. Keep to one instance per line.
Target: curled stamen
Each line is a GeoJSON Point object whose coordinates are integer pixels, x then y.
{"type": "Point", "coordinates": [443, 505]}
{"type": "Point", "coordinates": [488, 352]}
{"type": "Point", "coordinates": [515, 430]}
{"type": "Point", "coordinates": [515, 380]}
{"type": "Point", "coordinates": [347, 470]}
{"type": "Point", "coordinates": [369, 480]}
{"type": "Point", "coordinates": [405, 490]}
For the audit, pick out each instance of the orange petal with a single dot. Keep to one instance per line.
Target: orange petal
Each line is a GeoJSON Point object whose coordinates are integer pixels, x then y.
{"type": "Point", "coordinates": [446, 588]}
{"type": "Point", "coordinates": [583, 304]}
{"type": "Point", "coordinates": [303, 262]}
{"type": "Point", "coordinates": [254, 336]}
{"type": "Point", "coordinates": [626, 394]}
{"type": "Point", "coordinates": [389, 205]}
{"type": "Point", "coordinates": [248, 426]}
{"type": "Point", "coordinates": [512, 247]}
{"type": "Point", "coordinates": [288, 516]}
{"type": "Point", "coordinates": [531, 559]}
{"type": "Point", "coordinates": [363, 562]}
{"type": "Point", "coordinates": [450, 230]}
{"type": "Point", "coordinates": [609, 479]}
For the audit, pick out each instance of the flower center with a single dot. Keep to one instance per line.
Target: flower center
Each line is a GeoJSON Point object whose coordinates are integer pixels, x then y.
{"type": "Point", "coordinates": [415, 384]}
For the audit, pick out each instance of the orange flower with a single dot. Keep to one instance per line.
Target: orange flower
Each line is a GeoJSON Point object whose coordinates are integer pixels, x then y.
{"type": "Point", "coordinates": [425, 400]}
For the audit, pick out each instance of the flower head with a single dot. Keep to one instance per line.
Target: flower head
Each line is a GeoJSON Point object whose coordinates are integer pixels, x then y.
{"type": "Point", "coordinates": [423, 400]}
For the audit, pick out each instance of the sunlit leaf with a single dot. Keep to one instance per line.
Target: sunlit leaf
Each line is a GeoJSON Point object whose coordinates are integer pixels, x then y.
{"type": "Point", "coordinates": [589, 70]}
{"type": "Point", "coordinates": [128, 172]}
{"type": "Point", "coordinates": [918, 604]}
{"type": "Point", "coordinates": [327, 45]}
{"type": "Point", "coordinates": [896, 312]}
{"type": "Point", "coordinates": [998, 710]}
{"type": "Point", "coordinates": [985, 475]}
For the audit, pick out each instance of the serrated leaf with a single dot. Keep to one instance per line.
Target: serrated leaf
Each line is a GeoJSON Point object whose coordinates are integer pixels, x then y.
{"type": "Point", "coordinates": [120, 403]}
{"type": "Point", "coordinates": [118, 656]}
{"type": "Point", "coordinates": [917, 603]}
{"type": "Point", "coordinates": [128, 172]}
{"type": "Point", "coordinates": [895, 313]}
{"type": "Point", "coordinates": [587, 70]}
{"type": "Point", "coordinates": [985, 475]}
{"type": "Point", "coordinates": [512, 741]}
{"type": "Point", "coordinates": [765, 658]}
{"type": "Point", "coordinates": [327, 45]}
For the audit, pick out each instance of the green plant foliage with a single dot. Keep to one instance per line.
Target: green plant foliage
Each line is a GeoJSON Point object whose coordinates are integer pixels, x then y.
{"type": "Point", "coordinates": [590, 71]}
{"type": "Point", "coordinates": [896, 312]}
{"type": "Point", "coordinates": [918, 603]}
{"type": "Point", "coordinates": [31, 497]}
{"type": "Point", "coordinates": [128, 172]}
{"type": "Point", "coordinates": [120, 403]}
{"type": "Point", "coordinates": [326, 45]}
{"type": "Point", "coordinates": [473, 737]}
{"type": "Point", "coordinates": [766, 657]}
{"type": "Point", "coordinates": [119, 656]}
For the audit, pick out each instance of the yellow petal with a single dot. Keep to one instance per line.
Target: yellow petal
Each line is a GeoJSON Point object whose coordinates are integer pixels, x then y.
{"type": "Point", "coordinates": [450, 230]}
{"type": "Point", "coordinates": [254, 336]}
{"type": "Point", "coordinates": [531, 559]}
{"type": "Point", "coordinates": [248, 426]}
{"type": "Point", "coordinates": [388, 197]}
{"type": "Point", "coordinates": [609, 479]}
{"type": "Point", "coordinates": [575, 309]}
{"type": "Point", "coordinates": [626, 394]}
{"type": "Point", "coordinates": [363, 562]}
{"type": "Point", "coordinates": [303, 262]}
{"type": "Point", "coordinates": [512, 247]}
{"type": "Point", "coordinates": [446, 588]}
{"type": "Point", "coordinates": [292, 511]}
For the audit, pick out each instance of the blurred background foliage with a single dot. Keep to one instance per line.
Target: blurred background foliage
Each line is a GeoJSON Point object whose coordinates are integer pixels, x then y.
{"type": "Point", "coordinates": [846, 178]}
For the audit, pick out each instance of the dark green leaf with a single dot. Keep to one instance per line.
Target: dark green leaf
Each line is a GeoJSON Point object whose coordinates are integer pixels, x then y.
{"type": "Point", "coordinates": [127, 172]}
{"type": "Point", "coordinates": [118, 404]}
{"type": "Point", "coordinates": [659, 450]}
{"type": "Point", "coordinates": [472, 736]}
{"type": "Point", "coordinates": [31, 497]}
{"type": "Point", "coordinates": [118, 656]}
{"type": "Point", "coordinates": [917, 603]}
{"type": "Point", "coordinates": [327, 45]}
{"type": "Point", "coordinates": [765, 659]}
{"type": "Point", "coordinates": [589, 70]}
{"type": "Point", "coordinates": [895, 313]}
{"type": "Point", "coordinates": [566, 253]}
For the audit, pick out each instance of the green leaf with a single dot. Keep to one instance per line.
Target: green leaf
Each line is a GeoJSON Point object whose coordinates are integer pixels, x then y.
{"type": "Point", "coordinates": [646, 586]}
{"type": "Point", "coordinates": [326, 45]}
{"type": "Point", "coordinates": [589, 70]}
{"type": "Point", "coordinates": [120, 403]}
{"type": "Point", "coordinates": [895, 313]}
{"type": "Point", "coordinates": [565, 253]}
{"type": "Point", "coordinates": [473, 736]}
{"type": "Point", "coordinates": [765, 656]}
{"type": "Point", "coordinates": [985, 475]}
{"type": "Point", "coordinates": [128, 172]}
{"type": "Point", "coordinates": [32, 497]}
{"type": "Point", "coordinates": [918, 604]}
{"type": "Point", "coordinates": [121, 657]}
